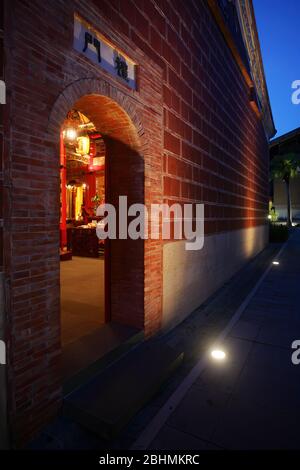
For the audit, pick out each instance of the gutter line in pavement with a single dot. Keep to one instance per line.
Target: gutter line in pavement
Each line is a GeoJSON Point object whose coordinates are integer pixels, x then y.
{"type": "Point", "coordinates": [152, 429]}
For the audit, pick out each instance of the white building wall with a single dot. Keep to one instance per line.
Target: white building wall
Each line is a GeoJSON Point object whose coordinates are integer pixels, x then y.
{"type": "Point", "coordinates": [190, 277]}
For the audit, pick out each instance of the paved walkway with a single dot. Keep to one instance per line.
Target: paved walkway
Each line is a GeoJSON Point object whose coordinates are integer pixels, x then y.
{"type": "Point", "coordinates": [252, 400]}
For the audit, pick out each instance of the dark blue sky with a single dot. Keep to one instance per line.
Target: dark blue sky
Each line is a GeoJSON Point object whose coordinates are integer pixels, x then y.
{"type": "Point", "coordinates": [278, 23]}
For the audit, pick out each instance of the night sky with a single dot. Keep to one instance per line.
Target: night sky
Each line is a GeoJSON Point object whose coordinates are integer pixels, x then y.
{"type": "Point", "coordinates": [278, 23]}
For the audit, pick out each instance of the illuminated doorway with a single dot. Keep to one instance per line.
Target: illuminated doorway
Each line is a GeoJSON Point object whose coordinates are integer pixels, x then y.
{"type": "Point", "coordinates": [118, 289]}
{"type": "Point", "coordinates": [82, 254]}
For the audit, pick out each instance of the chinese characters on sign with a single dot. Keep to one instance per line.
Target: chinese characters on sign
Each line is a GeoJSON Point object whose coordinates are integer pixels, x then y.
{"type": "Point", "coordinates": [94, 46]}
{"type": "Point", "coordinates": [122, 67]}
{"type": "Point", "coordinates": [89, 39]}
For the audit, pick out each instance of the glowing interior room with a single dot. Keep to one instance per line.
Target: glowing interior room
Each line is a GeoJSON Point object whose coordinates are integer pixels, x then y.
{"type": "Point", "coordinates": [82, 171]}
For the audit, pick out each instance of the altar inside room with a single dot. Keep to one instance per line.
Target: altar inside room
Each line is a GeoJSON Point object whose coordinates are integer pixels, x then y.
{"type": "Point", "coordinates": [82, 175]}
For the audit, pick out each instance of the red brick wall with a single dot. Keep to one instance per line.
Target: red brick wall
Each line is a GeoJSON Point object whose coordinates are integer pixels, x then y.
{"type": "Point", "coordinates": [46, 77]}
{"type": "Point", "coordinates": [215, 146]}
{"type": "Point", "coordinates": [214, 151]}
{"type": "Point", "coordinates": [3, 201]}
{"type": "Point", "coordinates": [2, 77]}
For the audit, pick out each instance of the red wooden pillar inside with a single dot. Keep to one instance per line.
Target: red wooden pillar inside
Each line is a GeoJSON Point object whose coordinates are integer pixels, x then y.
{"type": "Point", "coordinates": [63, 194]}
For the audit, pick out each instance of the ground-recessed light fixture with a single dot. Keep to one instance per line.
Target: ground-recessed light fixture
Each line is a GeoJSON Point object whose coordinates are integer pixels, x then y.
{"type": "Point", "coordinates": [275, 262]}
{"type": "Point", "coordinates": [218, 354]}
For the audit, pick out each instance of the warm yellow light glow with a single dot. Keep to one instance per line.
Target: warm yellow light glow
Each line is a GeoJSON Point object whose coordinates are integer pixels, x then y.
{"type": "Point", "coordinates": [78, 202]}
{"type": "Point", "coordinates": [84, 185]}
{"type": "Point", "coordinates": [98, 161]}
{"type": "Point", "coordinates": [70, 133]}
{"type": "Point", "coordinates": [218, 354]}
{"type": "Point", "coordinates": [83, 145]}
{"type": "Point", "coordinates": [275, 262]}
{"type": "Point", "coordinates": [269, 217]}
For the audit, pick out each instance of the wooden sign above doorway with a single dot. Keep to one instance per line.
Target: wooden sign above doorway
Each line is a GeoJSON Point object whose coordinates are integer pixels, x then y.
{"type": "Point", "coordinates": [100, 51]}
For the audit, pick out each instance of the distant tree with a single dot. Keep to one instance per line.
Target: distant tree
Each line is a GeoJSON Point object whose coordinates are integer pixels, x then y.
{"type": "Point", "coordinates": [285, 167]}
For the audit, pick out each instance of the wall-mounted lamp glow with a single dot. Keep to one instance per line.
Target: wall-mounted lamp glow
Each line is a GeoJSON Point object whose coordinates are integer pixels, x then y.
{"type": "Point", "coordinates": [70, 134]}
{"type": "Point", "coordinates": [275, 262]}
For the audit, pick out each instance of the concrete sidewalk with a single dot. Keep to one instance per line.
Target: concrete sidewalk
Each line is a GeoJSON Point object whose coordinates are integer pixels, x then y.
{"type": "Point", "coordinates": [252, 400]}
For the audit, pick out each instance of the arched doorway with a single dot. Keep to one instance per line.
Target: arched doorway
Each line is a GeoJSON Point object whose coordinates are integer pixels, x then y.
{"type": "Point", "coordinates": [82, 254]}
{"type": "Point", "coordinates": [102, 160]}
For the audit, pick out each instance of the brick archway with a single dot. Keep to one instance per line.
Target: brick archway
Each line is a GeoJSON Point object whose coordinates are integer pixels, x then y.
{"type": "Point", "coordinates": [124, 278]}
{"type": "Point", "coordinates": [132, 112]}
{"type": "Point", "coordinates": [36, 297]}
{"type": "Point", "coordinates": [87, 86]}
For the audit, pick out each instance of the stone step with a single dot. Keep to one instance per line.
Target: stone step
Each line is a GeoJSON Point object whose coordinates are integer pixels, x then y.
{"type": "Point", "coordinates": [95, 352]}
{"type": "Point", "coordinates": [111, 399]}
